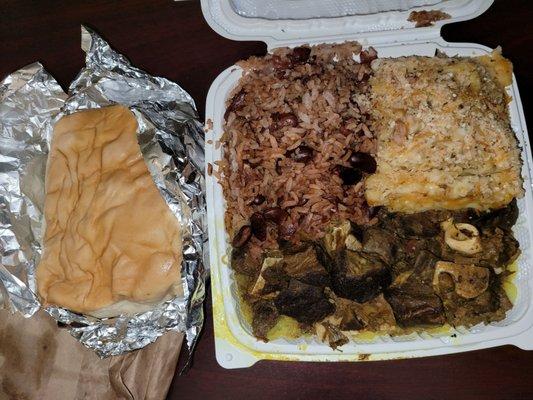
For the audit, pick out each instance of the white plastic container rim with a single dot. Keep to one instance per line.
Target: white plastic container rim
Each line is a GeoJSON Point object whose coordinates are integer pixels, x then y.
{"type": "Point", "coordinates": [236, 347]}
{"type": "Point", "coordinates": [390, 26]}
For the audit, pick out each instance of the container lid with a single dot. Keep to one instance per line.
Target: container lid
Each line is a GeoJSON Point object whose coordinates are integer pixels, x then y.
{"type": "Point", "coordinates": [289, 22]}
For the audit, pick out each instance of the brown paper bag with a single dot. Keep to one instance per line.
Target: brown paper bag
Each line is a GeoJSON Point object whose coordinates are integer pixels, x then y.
{"type": "Point", "coordinates": [38, 360]}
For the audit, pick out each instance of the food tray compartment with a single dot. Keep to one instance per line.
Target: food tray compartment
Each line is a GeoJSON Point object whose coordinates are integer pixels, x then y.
{"type": "Point", "coordinates": [225, 296]}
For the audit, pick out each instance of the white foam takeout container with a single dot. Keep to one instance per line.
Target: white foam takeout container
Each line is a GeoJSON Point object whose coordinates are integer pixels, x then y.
{"type": "Point", "coordinates": [392, 35]}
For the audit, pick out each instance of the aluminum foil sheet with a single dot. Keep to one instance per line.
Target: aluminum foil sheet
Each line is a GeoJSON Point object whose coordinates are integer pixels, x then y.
{"type": "Point", "coordinates": [30, 100]}
{"type": "Point", "coordinates": [172, 143]}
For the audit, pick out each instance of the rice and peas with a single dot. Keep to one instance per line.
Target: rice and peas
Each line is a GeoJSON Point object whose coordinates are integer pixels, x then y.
{"type": "Point", "coordinates": [297, 144]}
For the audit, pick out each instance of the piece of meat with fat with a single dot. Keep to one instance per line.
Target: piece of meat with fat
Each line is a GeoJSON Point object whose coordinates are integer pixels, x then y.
{"type": "Point", "coordinates": [335, 238]}
{"type": "Point", "coordinates": [489, 306]}
{"type": "Point", "coordinates": [265, 317]}
{"type": "Point", "coordinates": [500, 249]}
{"type": "Point", "coordinates": [305, 303]}
{"type": "Point", "coordinates": [415, 305]}
{"type": "Point", "coordinates": [424, 267]}
{"type": "Point", "coordinates": [359, 276]}
{"type": "Point", "coordinates": [296, 262]}
{"type": "Point", "coordinates": [305, 266]}
{"type": "Point", "coordinates": [375, 315]}
{"type": "Point", "coordinates": [346, 315]}
{"type": "Point", "coordinates": [407, 249]}
{"type": "Point", "coordinates": [418, 225]}
{"type": "Point", "coordinates": [469, 281]}
{"type": "Point", "coordinates": [421, 264]}
{"type": "Point", "coordinates": [331, 334]}
{"type": "Point", "coordinates": [246, 261]}
{"type": "Point", "coordinates": [510, 250]}
{"type": "Point", "coordinates": [400, 272]}
{"type": "Point", "coordinates": [414, 301]}
{"type": "Point", "coordinates": [503, 218]}
{"type": "Point", "coordinates": [271, 277]}
{"type": "Point", "coordinates": [380, 242]}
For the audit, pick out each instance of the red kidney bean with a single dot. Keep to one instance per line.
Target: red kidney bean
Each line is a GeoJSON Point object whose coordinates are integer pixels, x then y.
{"type": "Point", "coordinates": [258, 200]}
{"type": "Point", "coordinates": [367, 56]}
{"type": "Point", "coordinates": [302, 153]}
{"type": "Point", "coordinates": [259, 227]}
{"type": "Point", "coordinates": [363, 161]}
{"type": "Point", "coordinates": [236, 103]}
{"type": "Point", "coordinates": [276, 214]}
{"type": "Point", "coordinates": [283, 120]}
{"type": "Point", "coordinates": [286, 229]}
{"type": "Point", "coordinates": [349, 176]}
{"type": "Point", "coordinates": [242, 237]}
{"type": "Point", "coordinates": [299, 55]}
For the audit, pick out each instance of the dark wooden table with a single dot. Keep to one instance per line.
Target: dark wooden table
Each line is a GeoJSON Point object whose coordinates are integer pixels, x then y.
{"type": "Point", "coordinates": [171, 39]}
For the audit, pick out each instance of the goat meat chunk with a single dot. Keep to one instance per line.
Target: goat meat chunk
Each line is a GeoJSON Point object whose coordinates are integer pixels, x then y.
{"type": "Point", "coordinates": [359, 276]}
{"type": "Point", "coordinates": [305, 303]}
{"type": "Point", "coordinates": [415, 305]}
{"type": "Point", "coordinates": [266, 316]}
